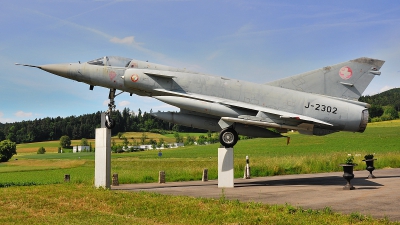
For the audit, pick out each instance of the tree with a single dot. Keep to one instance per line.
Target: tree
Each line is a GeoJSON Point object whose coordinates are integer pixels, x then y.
{"type": "Point", "coordinates": [201, 140]}
{"type": "Point", "coordinates": [391, 112]}
{"type": "Point", "coordinates": [2, 136]}
{"type": "Point", "coordinates": [84, 142]}
{"type": "Point", "coordinates": [65, 141]}
{"type": "Point", "coordinates": [125, 143]}
{"type": "Point", "coordinates": [143, 138]}
{"type": "Point", "coordinates": [375, 111]}
{"type": "Point", "coordinates": [11, 134]}
{"type": "Point", "coordinates": [190, 140]}
{"type": "Point", "coordinates": [120, 134]}
{"type": "Point", "coordinates": [41, 150]}
{"type": "Point", "coordinates": [152, 142]}
{"type": "Point", "coordinates": [7, 150]}
{"type": "Point", "coordinates": [178, 138]}
{"type": "Point", "coordinates": [160, 143]}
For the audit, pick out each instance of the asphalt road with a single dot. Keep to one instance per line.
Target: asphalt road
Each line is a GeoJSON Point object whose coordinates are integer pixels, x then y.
{"type": "Point", "coordinates": [379, 197]}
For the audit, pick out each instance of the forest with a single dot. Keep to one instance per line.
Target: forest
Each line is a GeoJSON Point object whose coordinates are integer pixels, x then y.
{"type": "Point", "coordinates": [384, 106]}
{"type": "Point", "coordinates": [78, 127]}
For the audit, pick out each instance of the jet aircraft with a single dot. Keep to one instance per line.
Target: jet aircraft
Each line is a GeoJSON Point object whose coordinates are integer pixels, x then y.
{"type": "Point", "coordinates": [318, 102]}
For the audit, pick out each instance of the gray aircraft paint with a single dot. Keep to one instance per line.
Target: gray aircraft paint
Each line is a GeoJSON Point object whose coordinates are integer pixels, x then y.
{"type": "Point", "coordinates": [319, 102]}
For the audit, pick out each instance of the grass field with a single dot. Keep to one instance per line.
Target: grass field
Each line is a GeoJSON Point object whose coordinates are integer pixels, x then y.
{"type": "Point", "coordinates": [304, 154]}
{"type": "Point", "coordinates": [82, 204]}
{"type": "Point", "coordinates": [67, 203]}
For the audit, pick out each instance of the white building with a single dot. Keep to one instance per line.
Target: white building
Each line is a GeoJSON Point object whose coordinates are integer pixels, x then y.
{"type": "Point", "coordinates": [76, 149]}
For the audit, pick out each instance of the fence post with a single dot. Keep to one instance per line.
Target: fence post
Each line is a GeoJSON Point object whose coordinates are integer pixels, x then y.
{"type": "Point", "coordinates": [67, 178]}
{"type": "Point", "coordinates": [247, 168]}
{"type": "Point", "coordinates": [115, 181]}
{"type": "Point", "coordinates": [161, 177]}
{"type": "Point", "coordinates": [205, 175]}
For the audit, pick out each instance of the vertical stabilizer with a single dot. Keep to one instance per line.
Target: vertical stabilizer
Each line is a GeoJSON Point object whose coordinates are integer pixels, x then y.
{"type": "Point", "coordinates": [346, 80]}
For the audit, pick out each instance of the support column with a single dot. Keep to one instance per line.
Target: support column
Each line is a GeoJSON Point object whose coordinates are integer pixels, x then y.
{"type": "Point", "coordinates": [102, 164]}
{"type": "Point", "coordinates": [225, 168]}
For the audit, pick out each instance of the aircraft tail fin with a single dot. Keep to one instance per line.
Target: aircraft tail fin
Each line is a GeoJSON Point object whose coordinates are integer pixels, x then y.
{"type": "Point", "coordinates": [346, 80]}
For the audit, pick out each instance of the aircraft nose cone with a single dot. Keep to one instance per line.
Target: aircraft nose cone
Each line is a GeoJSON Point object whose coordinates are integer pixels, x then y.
{"type": "Point", "coordinates": [57, 69]}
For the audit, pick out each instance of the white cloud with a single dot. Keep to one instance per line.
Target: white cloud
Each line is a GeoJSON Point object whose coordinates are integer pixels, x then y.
{"type": "Point", "coordinates": [23, 114]}
{"type": "Point", "coordinates": [4, 120]}
{"type": "Point", "coordinates": [106, 102]}
{"type": "Point", "coordinates": [214, 55]}
{"type": "Point", "coordinates": [385, 88]}
{"type": "Point", "coordinates": [123, 103]}
{"type": "Point", "coordinates": [376, 90]}
{"type": "Point", "coordinates": [126, 40]}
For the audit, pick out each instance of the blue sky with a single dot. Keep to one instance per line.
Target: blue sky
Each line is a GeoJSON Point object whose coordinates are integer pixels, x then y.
{"type": "Point", "coordinates": [258, 41]}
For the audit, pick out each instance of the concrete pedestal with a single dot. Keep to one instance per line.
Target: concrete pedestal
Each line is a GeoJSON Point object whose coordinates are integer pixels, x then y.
{"type": "Point", "coordinates": [225, 168]}
{"type": "Point", "coordinates": [102, 165]}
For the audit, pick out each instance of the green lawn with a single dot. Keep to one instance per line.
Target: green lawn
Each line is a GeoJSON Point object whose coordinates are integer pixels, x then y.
{"type": "Point", "coordinates": [78, 202]}
{"type": "Point", "coordinates": [304, 154]}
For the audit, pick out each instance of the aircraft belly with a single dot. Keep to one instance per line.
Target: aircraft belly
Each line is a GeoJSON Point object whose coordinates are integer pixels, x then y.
{"type": "Point", "coordinates": [209, 123]}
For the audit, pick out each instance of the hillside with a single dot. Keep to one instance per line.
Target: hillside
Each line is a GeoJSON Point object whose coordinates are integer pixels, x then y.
{"type": "Point", "coordinates": [390, 97]}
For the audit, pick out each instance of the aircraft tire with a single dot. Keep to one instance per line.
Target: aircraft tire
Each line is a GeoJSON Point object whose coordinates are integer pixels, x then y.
{"type": "Point", "coordinates": [110, 123]}
{"type": "Point", "coordinates": [228, 137]}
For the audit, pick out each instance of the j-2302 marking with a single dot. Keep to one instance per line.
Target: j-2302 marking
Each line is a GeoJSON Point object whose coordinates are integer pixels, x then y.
{"type": "Point", "coordinates": [322, 108]}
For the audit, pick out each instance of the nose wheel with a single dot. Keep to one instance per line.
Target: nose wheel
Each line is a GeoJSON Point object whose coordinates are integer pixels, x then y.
{"type": "Point", "coordinates": [110, 123]}
{"type": "Point", "coordinates": [228, 137]}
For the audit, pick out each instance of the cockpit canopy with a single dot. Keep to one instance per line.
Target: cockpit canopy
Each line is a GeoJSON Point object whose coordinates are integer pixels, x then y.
{"type": "Point", "coordinates": [115, 61]}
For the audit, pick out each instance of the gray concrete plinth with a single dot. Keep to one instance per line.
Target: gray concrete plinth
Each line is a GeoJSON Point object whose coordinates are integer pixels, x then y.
{"type": "Point", "coordinates": [102, 165]}
{"type": "Point", "coordinates": [225, 168]}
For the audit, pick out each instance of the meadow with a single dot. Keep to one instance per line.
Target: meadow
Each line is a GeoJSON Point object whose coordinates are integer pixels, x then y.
{"type": "Point", "coordinates": [268, 157]}
{"type": "Point", "coordinates": [31, 199]}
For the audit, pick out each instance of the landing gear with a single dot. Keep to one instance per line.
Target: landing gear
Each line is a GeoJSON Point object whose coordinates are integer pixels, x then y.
{"type": "Point", "coordinates": [228, 137]}
{"type": "Point", "coordinates": [109, 122]}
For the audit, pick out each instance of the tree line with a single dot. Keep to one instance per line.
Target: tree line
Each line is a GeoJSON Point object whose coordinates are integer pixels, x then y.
{"type": "Point", "coordinates": [78, 127]}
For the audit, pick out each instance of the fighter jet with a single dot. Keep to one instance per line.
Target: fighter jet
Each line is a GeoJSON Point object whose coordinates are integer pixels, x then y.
{"type": "Point", "coordinates": [318, 102]}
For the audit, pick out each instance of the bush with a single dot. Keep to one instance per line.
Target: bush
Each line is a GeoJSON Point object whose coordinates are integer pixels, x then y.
{"type": "Point", "coordinates": [41, 150]}
{"type": "Point", "coordinates": [7, 150]}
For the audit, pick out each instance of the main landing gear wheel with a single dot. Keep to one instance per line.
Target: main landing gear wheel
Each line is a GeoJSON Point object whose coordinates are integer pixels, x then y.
{"type": "Point", "coordinates": [228, 137]}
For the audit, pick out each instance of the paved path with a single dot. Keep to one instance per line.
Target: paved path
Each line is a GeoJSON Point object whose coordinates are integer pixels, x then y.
{"type": "Point", "coordinates": [378, 197]}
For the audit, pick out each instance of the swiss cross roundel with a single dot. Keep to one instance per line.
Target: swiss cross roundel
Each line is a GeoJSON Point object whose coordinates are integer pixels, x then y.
{"type": "Point", "coordinates": [134, 78]}
{"type": "Point", "coordinates": [346, 72]}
